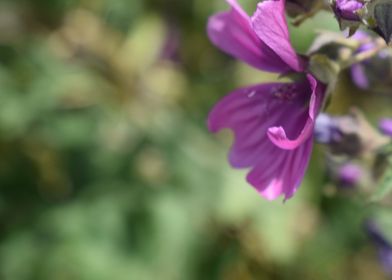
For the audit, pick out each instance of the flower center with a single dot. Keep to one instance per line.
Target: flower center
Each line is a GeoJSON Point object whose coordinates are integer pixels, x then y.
{"type": "Point", "coordinates": [286, 92]}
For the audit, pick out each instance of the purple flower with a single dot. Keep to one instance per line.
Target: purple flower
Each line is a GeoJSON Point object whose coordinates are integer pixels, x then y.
{"type": "Point", "coordinates": [272, 123]}
{"type": "Point", "coordinates": [385, 126]}
{"type": "Point", "coordinates": [346, 9]}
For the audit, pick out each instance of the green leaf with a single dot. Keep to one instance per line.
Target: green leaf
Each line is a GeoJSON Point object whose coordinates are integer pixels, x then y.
{"type": "Point", "coordinates": [385, 185]}
{"type": "Point", "coordinates": [325, 69]}
{"type": "Point", "coordinates": [383, 16]}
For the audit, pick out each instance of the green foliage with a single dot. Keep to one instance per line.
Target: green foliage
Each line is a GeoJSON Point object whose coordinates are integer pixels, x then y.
{"type": "Point", "coordinates": [385, 185]}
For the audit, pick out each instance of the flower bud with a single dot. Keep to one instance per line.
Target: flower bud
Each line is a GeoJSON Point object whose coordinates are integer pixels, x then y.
{"type": "Point", "coordinates": [341, 133]}
{"type": "Point", "coordinates": [346, 9]}
{"type": "Point", "coordinates": [326, 130]}
{"type": "Point", "coordinates": [349, 174]}
{"type": "Point", "coordinates": [347, 14]}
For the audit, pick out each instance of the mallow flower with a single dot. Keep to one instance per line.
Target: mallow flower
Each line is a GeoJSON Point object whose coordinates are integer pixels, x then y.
{"type": "Point", "coordinates": [273, 122]}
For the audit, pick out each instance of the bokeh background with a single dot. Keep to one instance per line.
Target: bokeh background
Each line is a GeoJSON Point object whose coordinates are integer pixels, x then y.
{"type": "Point", "coordinates": [107, 170]}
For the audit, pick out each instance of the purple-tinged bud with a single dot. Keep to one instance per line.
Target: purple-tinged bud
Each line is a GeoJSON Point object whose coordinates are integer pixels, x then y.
{"type": "Point", "coordinates": [383, 245]}
{"type": "Point", "coordinates": [349, 135]}
{"type": "Point", "coordinates": [340, 133]}
{"type": "Point", "coordinates": [346, 9]}
{"type": "Point", "coordinates": [385, 126]}
{"type": "Point", "coordinates": [349, 174]}
{"type": "Point", "coordinates": [375, 72]}
{"type": "Point", "coordinates": [326, 130]}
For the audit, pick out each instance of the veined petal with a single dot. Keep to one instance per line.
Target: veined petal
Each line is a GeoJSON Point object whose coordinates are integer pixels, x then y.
{"type": "Point", "coordinates": [285, 175]}
{"type": "Point", "coordinates": [232, 32]}
{"type": "Point", "coordinates": [269, 23]}
{"type": "Point", "coordinates": [249, 112]}
{"type": "Point", "coordinates": [277, 134]}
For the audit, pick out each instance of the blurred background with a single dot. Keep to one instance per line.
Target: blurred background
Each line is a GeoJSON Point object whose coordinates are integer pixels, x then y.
{"type": "Point", "coordinates": [107, 170]}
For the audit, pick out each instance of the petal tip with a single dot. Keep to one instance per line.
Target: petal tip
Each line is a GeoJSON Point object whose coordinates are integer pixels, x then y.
{"type": "Point", "coordinates": [277, 136]}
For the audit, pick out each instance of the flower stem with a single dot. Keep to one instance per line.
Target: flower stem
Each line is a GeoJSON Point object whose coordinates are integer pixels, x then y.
{"type": "Point", "coordinates": [362, 56]}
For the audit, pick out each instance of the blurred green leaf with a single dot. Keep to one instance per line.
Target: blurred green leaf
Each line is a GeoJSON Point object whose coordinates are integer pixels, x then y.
{"type": "Point", "coordinates": [384, 187]}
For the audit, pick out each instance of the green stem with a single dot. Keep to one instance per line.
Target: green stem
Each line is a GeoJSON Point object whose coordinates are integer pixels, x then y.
{"type": "Point", "coordinates": [362, 56]}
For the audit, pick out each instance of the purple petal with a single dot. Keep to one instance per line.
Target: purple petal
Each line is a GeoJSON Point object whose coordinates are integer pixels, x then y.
{"type": "Point", "coordinates": [249, 112]}
{"type": "Point", "coordinates": [277, 134]}
{"type": "Point", "coordinates": [281, 172]}
{"type": "Point", "coordinates": [269, 23]}
{"type": "Point", "coordinates": [231, 31]}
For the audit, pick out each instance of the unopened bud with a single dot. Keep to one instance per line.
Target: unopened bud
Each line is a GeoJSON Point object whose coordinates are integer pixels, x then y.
{"type": "Point", "coordinates": [349, 174]}
{"type": "Point", "coordinates": [326, 130]}
{"type": "Point", "coordinates": [347, 9]}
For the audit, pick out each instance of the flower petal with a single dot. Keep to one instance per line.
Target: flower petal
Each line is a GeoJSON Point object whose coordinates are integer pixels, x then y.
{"type": "Point", "coordinates": [282, 172]}
{"type": "Point", "coordinates": [249, 112]}
{"type": "Point", "coordinates": [270, 25]}
{"type": "Point", "coordinates": [278, 135]}
{"type": "Point", "coordinates": [232, 32]}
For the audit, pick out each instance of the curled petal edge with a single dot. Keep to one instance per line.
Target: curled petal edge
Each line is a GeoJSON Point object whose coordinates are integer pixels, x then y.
{"type": "Point", "coordinates": [277, 134]}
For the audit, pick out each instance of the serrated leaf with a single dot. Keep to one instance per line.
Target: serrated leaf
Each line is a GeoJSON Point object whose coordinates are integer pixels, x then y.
{"type": "Point", "coordinates": [383, 17]}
